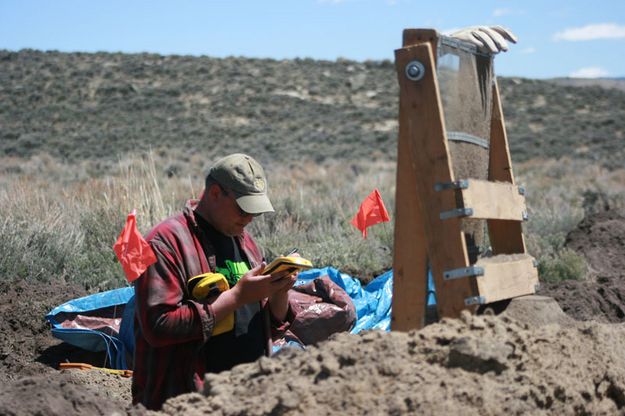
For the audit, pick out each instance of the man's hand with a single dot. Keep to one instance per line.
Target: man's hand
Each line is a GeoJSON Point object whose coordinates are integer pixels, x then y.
{"type": "Point", "coordinates": [285, 278]}
{"type": "Point", "coordinates": [491, 39]}
{"type": "Point", "coordinates": [252, 287]}
{"type": "Point", "coordinates": [292, 277]}
{"type": "Point", "coordinates": [279, 301]}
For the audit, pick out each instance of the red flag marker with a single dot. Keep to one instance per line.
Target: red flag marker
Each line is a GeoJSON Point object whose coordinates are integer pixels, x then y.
{"type": "Point", "coordinates": [133, 252]}
{"type": "Point", "coordinates": [371, 212]}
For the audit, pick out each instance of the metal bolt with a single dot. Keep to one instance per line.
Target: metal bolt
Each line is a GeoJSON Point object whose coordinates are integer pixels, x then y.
{"type": "Point", "coordinates": [415, 70]}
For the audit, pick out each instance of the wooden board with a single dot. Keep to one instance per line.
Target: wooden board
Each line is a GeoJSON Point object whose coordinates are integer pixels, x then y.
{"type": "Point", "coordinates": [410, 255]}
{"type": "Point", "coordinates": [410, 251]}
{"type": "Point", "coordinates": [499, 164]}
{"type": "Point", "coordinates": [506, 237]}
{"type": "Point", "coordinates": [422, 127]}
{"type": "Point", "coordinates": [411, 37]}
{"type": "Point", "coordinates": [493, 200]}
{"type": "Point", "coordinates": [506, 277]}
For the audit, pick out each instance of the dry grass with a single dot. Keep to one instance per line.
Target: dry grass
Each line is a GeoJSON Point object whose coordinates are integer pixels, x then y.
{"type": "Point", "coordinates": [65, 228]}
{"type": "Point", "coordinates": [314, 206]}
{"type": "Point", "coordinates": [59, 222]}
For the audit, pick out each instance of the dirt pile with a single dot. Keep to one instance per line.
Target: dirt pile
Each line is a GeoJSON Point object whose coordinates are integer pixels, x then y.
{"type": "Point", "coordinates": [26, 346]}
{"type": "Point", "coordinates": [531, 359]}
{"type": "Point", "coordinates": [61, 394]}
{"type": "Point", "coordinates": [600, 239]}
{"type": "Point", "coordinates": [29, 356]}
{"type": "Point", "coordinates": [479, 364]}
{"type": "Point", "coordinates": [476, 365]}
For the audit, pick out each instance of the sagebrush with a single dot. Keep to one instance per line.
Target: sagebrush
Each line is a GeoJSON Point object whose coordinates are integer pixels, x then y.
{"type": "Point", "coordinates": [60, 223]}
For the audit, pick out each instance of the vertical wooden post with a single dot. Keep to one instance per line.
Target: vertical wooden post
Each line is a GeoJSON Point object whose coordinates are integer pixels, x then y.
{"type": "Point", "coordinates": [410, 252]}
{"type": "Point", "coordinates": [410, 255]}
{"type": "Point", "coordinates": [422, 133]}
{"type": "Point", "coordinates": [506, 237]}
{"type": "Point", "coordinates": [411, 37]}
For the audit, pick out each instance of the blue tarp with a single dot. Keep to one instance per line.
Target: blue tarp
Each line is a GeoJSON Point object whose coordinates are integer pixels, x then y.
{"type": "Point", "coordinates": [372, 302]}
{"type": "Point", "coordinates": [89, 339]}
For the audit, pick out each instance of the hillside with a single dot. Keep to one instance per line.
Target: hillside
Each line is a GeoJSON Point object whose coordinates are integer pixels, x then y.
{"type": "Point", "coordinates": [608, 83]}
{"type": "Point", "coordinates": [79, 106]}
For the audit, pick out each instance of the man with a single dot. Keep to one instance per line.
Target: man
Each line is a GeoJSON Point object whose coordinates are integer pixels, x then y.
{"type": "Point", "coordinates": [176, 340]}
{"type": "Point", "coordinates": [175, 331]}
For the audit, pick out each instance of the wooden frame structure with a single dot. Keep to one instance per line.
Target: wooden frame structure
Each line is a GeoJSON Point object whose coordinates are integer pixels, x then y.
{"type": "Point", "coordinates": [431, 202]}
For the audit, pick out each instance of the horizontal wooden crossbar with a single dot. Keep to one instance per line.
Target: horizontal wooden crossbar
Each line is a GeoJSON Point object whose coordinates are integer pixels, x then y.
{"type": "Point", "coordinates": [488, 200]}
{"type": "Point", "coordinates": [506, 276]}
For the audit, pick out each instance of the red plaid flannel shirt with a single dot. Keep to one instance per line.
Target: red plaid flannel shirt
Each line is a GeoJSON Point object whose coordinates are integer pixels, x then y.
{"type": "Point", "coordinates": [171, 327]}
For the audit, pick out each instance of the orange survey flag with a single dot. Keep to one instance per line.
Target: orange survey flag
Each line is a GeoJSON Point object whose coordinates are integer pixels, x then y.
{"type": "Point", "coordinates": [371, 212]}
{"type": "Point", "coordinates": [133, 252]}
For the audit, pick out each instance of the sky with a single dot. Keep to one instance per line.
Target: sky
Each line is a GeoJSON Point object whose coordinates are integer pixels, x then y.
{"type": "Point", "coordinates": [557, 38]}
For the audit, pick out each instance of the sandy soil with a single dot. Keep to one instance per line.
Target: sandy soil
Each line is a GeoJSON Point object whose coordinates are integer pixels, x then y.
{"type": "Point", "coordinates": [531, 359]}
{"type": "Point", "coordinates": [476, 365]}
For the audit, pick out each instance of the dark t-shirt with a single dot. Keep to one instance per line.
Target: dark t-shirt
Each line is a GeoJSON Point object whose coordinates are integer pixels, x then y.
{"type": "Point", "coordinates": [246, 342]}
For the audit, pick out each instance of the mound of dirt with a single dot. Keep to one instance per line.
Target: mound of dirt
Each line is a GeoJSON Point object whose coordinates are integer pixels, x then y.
{"type": "Point", "coordinates": [57, 395]}
{"type": "Point", "coordinates": [26, 346]}
{"type": "Point", "coordinates": [29, 356]}
{"type": "Point", "coordinates": [476, 365]}
{"type": "Point", "coordinates": [600, 239]}
{"type": "Point", "coordinates": [601, 300]}
{"type": "Point", "coordinates": [534, 311]}
{"type": "Point", "coordinates": [530, 359]}
{"type": "Point", "coordinates": [479, 364]}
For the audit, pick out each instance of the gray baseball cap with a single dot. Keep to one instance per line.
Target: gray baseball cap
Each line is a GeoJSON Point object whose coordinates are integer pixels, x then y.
{"type": "Point", "coordinates": [245, 177]}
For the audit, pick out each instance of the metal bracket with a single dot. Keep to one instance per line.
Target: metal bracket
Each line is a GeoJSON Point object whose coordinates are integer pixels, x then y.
{"type": "Point", "coordinates": [525, 216]}
{"type": "Point", "coordinates": [521, 190]}
{"type": "Point", "coordinates": [462, 45]}
{"type": "Point", "coordinates": [463, 272]}
{"type": "Point", "coordinates": [458, 212]}
{"type": "Point", "coordinates": [458, 136]}
{"type": "Point", "coordinates": [475, 300]}
{"type": "Point", "coordinates": [443, 186]}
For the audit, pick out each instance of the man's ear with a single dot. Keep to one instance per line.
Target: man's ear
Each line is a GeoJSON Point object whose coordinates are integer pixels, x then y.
{"type": "Point", "coordinates": [213, 191]}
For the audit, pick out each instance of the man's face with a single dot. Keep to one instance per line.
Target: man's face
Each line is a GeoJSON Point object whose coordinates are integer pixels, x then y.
{"type": "Point", "coordinates": [230, 219]}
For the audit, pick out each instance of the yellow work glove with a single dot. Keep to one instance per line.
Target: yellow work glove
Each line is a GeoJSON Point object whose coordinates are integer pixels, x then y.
{"type": "Point", "coordinates": [491, 39]}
